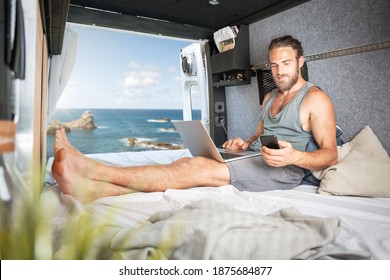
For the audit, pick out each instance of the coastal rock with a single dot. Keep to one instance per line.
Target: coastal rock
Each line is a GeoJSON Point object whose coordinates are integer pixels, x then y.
{"type": "Point", "coordinates": [132, 141]}
{"type": "Point", "coordinates": [55, 125]}
{"type": "Point", "coordinates": [85, 122]}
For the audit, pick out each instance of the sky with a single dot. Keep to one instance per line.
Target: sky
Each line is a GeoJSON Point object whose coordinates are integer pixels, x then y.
{"type": "Point", "coordinates": [118, 69]}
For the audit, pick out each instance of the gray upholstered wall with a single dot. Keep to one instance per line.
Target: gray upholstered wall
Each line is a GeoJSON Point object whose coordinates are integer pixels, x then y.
{"type": "Point", "coordinates": [358, 84]}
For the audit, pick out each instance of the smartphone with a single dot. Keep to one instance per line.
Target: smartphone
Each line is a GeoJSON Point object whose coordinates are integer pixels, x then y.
{"type": "Point", "coordinates": [270, 141]}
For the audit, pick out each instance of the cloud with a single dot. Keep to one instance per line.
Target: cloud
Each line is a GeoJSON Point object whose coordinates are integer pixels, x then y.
{"type": "Point", "coordinates": [142, 79]}
{"type": "Point", "coordinates": [141, 76]}
{"type": "Point", "coordinates": [135, 65]}
{"type": "Point", "coordinates": [172, 69]}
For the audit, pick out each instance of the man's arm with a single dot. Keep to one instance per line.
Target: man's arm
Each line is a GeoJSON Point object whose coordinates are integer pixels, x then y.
{"type": "Point", "coordinates": [240, 144]}
{"type": "Point", "coordinates": [319, 118]}
{"type": "Point", "coordinates": [254, 137]}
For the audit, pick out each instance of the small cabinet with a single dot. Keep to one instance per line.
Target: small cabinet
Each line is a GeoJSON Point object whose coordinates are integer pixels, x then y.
{"type": "Point", "coordinates": [232, 67]}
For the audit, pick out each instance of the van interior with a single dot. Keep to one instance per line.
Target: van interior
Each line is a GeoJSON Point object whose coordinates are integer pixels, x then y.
{"type": "Point", "coordinates": [347, 54]}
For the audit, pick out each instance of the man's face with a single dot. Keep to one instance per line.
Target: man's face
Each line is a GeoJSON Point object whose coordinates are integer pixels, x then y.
{"type": "Point", "coordinates": [285, 67]}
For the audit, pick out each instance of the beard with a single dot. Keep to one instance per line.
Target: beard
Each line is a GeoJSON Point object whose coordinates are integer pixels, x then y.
{"type": "Point", "coordinates": [288, 82]}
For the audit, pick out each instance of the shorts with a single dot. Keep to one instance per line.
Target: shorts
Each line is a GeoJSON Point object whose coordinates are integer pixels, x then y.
{"type": "Point", "coordinates": [253, 174]}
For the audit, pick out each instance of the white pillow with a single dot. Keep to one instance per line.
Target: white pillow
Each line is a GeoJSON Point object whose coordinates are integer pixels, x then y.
{"type": "Point", "coordinates": [363, 168]}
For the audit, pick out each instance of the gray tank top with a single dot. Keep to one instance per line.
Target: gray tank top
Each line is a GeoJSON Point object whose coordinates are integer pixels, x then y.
{"type": "Point", "coordinates": [286, 125]}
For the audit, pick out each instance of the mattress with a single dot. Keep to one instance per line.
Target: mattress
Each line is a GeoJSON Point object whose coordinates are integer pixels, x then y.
{"type": "Point", "coordinates": [363, 223]}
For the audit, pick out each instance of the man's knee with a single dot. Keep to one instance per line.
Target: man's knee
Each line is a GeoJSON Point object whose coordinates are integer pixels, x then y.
{"type": "Point", "coordinates": [198, 164]}
{"type": "Point", "coordinates": [216, 173]}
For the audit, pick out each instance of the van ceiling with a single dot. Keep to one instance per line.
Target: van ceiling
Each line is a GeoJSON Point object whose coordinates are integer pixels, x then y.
{"type": "Point", "coordinates": [189, 19]}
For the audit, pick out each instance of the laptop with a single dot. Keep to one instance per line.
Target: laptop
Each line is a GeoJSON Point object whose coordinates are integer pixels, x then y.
{"type": "Point", "coordinates": [199, 143]}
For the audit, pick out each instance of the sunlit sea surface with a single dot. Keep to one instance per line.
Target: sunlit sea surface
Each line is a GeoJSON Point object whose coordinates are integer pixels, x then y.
{"type": "Point", "coordinates": [115, 126]}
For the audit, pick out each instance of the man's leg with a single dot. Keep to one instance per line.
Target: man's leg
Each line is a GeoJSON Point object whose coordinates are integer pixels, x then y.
{"type": "Point", "coordinates": [86, 179]}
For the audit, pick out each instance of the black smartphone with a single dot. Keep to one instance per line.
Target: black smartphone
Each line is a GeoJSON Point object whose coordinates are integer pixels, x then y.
{"type": "Point", "coordinates": [270, 141]}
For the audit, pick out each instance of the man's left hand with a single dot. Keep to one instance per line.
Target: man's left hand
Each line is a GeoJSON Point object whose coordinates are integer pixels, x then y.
{"type": "Point", "coordinates": [279, 157]}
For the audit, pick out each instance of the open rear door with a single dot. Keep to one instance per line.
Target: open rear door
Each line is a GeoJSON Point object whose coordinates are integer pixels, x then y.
{"type": "Point", "coordinates": [195, 82]}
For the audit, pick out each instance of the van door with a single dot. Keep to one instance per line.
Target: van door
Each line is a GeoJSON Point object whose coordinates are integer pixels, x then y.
{"type": "Point", "coordinates": [195, 82]}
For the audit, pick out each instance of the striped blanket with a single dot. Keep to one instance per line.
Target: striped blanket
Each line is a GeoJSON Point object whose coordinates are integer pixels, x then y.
{"type": "Point", "coordinates": [211, 230]}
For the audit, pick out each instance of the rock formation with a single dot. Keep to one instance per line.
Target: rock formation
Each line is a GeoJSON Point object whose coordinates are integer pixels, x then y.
{"type": "Point", "coordinates": [54, 125]}
{"type": "Point", "coordinates": [85, 122]}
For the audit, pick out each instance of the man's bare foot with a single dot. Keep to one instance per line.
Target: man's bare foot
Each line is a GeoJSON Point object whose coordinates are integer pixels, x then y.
{"type": "Point", "coordinates": [85, 166]}
{"type": "Point", "coordinates": [76, 174]}
{"type": "Point", "coordinates": [61, 142]}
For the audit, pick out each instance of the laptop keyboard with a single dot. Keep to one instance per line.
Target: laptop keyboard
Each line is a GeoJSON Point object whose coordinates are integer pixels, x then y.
{"type": "Point", "coordinates": [229, 156]}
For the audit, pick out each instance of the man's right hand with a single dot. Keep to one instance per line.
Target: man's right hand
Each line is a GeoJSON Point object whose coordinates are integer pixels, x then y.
{"type": "Point", "coordinates": [236, 144]}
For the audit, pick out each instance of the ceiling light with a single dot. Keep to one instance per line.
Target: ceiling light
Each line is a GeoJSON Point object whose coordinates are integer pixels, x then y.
{"type": "Point", "coordinates": [213, 2]}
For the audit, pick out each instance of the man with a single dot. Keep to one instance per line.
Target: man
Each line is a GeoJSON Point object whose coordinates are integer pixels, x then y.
{"type": "Point", "coordinates": [296, 112]}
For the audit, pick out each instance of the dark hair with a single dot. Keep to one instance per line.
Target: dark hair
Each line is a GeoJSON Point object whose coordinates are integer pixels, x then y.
{"type": "Point", "coordinates": [286, 41]}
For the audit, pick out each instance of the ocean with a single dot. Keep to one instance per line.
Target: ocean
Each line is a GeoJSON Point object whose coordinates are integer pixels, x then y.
{"type": "Point", "coordinates": [115, 126]}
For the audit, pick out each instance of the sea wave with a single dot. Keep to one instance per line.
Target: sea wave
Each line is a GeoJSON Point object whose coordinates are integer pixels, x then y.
{"type": "Point", "coordinates": [164, 120]}
{"type": "Point", "coordinates": [150, 143]}
{"type": "Point", "coordinates": [125, 140]}
{"type": "Point", "coordinates": [167, 129]}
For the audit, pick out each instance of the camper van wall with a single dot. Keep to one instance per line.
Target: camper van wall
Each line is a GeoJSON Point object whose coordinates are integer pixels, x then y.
{"type": "Point", "coordinates": [358, 84]}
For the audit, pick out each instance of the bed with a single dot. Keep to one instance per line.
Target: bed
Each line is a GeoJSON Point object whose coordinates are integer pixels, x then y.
{"type": "Point", "coordinates": [223, 222]}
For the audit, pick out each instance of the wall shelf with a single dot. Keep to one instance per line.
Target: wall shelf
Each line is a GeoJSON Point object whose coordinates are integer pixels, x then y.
{"type": "Point", "coordinates": [232, 78]}
{"type": "Point", "coordinates": [230, 68]}
{"type": "Point", "coordinates": [234, 59]}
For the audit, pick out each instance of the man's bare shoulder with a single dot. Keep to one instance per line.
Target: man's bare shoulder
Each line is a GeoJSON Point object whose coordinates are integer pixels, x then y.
{"type": "Point", "coordinates": [316, 94]}
{"type": "Point", "coordinates": [317, 102]}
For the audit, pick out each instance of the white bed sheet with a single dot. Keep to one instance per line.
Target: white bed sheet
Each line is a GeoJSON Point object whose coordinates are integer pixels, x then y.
{"type": "Point", "coordinates": [364, 222]}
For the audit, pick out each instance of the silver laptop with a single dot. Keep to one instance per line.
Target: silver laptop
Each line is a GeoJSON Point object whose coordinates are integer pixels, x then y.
{"type": "Point", "coordinates": [199, 143]}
